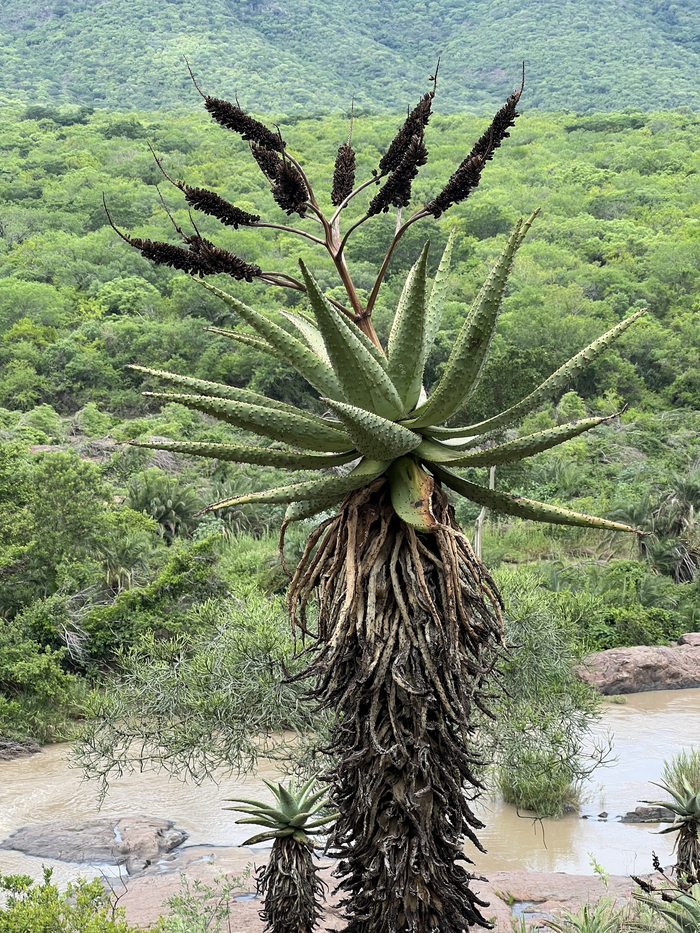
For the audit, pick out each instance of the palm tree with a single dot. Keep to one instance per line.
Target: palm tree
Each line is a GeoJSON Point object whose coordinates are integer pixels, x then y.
{"type": "Point", "coordinates": [409, 620]}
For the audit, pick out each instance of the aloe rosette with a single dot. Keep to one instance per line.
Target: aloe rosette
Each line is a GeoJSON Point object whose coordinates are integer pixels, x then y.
{"type": "Point", "coordinates": [376, 419]}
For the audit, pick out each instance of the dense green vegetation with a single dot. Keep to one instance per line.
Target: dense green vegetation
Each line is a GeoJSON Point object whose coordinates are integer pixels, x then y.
{"type": "Point", "coordinates": [308, 56]}
{"type": "Point", "coordinates": [101, 546]}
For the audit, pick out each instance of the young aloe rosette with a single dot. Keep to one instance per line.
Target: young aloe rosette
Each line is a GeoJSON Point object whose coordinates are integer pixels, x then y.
{"type": "Point", "coordinates": [293, 814]}
{"type": "Point", "coordinates": [686, 807]}
{"type": "Point", "coordinates": [289, 883]}
{"type": "Point", "coordinates": [408, 619]}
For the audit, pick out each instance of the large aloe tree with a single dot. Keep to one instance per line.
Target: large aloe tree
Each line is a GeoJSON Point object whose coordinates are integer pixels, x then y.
{"type": "Point", "coordinates": [408, 619]}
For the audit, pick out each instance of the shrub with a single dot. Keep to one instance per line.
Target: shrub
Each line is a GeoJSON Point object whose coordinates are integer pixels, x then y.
{"type": "Point", "coordinates": [42, 908]}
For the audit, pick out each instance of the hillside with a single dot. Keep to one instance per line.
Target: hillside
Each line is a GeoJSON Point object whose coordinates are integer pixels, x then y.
{"type": "Point", "coordinates": [303, 56]}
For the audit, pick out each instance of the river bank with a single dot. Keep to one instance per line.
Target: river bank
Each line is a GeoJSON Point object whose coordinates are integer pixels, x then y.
{"type": "Point", "coordinates": [533, 895]}
{"type": "Point", "coordinates": [544, 862]}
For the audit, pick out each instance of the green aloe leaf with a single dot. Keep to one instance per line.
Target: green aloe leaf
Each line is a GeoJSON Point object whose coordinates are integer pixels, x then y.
{"type": "Point", "coordinates": [311, 334]}
{"type": "Point", "coordinates": [511, 451]}
{"type": "Point", "coordinates": [295, 429]}
{"type": "Point", "coordinates": [411, 493]}
{"type": "Point", "coordinates": [334, 487]}
{"type": "Point", "coordinates": [407, 349]}
{"type": "Point", "coordinates": [260, 456]}
{"type": "Point", "coordinates": [261, 837]}
{"type": "Point", "coordinates": [374, 436]}
{"type": "Point", "coordinates": [299, 511]}
{"type": "Point", "coordinates": [520, 506]}
{"type": "Point", "coordinates": [305, 361]}
{"type": "Point", "coordinates": [363, 379]}
{"type": "Point", "coordinates": [218, 390]}
{"type": "Point", "coordinates": [436, 302]}
{"type": "Point", "coordinates": [550, 387]}
{"type": "Point", "coordinates": [248, 340]}
{"type": "Point", "coordinates": [466, 361]}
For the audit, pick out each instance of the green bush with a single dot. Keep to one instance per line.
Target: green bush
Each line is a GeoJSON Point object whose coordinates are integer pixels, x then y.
{"type": "Point", "coordinates": [42, 908]}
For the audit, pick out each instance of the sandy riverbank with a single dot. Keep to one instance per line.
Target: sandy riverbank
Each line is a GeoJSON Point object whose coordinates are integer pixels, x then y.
{"type": "Point", "coordinates": [536, 894]}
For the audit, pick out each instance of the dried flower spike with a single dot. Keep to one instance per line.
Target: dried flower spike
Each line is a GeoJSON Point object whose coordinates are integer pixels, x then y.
{"type": "Point", "coordinates": [468, 175]}
{"type": "Point", "coordinates": [397, 188]}
{"type": "Point", "coordinates": [233, 118]}
{"type": "Point", "coordinates": [343, 174]}
{"type": "Point", "coordinates": [208, 202]}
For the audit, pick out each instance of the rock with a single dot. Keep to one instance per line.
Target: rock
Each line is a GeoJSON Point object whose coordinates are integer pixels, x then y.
{"type": "Point", "coordinates": [643, 668]}
{"type": "Point", "coordinates": [690, 638]}
{"type": "Point", "coordinates": [10, 749]}
{"type": "Point", "coordinates": [134, 841]}
{"type": "Point", "coordinates": [603, 815]}
{"type": "Point", "coordinates": [648, 815]}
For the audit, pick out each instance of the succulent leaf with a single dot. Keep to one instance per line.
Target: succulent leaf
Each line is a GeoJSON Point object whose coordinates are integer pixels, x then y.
{"type": "Point", "coordinates": [407, 349]}
{"type": "Point", "coordinates": [333, 486]}
{"type": "Point", "coordinates": [374, 436]}
{"type": "Point", "coordinates": [511, 451]}
{"type": "Point", "coordinates": [436, 302]}
{"type": "Point", "coordinates": [219, 390]}
{"type": "Point", "coordinates": [306, 508]}
{"type": "Point", "coordinates": [248, 340]}
{"type": "Point", "coordinates": [311, 334]}
{"type": "Point", "coordinates": [550, 387]}
{"type": "Point", "coordinates": [260, 456]}
{"type": "Point", "coordinates": [520, 506]}
{"type": "Point", "coordinates": [411, 493]}
{"type": "Point", "coordinates": [314, 370]}
{"type": "Point", "coordinates": [295, 429]}
{"type": "Point", "coordinates": [363, 379]}
{"type": "Point", "coordinates": [466, 361]}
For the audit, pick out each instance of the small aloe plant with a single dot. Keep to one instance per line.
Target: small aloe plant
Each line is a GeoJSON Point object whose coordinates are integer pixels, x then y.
{"type": "Point", "coordinates": [289, 883]}
{"type": "Point", "coordinates": [686, 806]}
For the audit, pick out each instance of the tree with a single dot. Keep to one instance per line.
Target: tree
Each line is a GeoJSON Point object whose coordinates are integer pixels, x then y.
{"type": "Point", "coordinates": [409, 620]}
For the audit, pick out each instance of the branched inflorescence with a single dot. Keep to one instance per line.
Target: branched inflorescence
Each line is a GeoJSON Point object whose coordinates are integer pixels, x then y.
{"type": "Point", "coordinates": [408, 627]}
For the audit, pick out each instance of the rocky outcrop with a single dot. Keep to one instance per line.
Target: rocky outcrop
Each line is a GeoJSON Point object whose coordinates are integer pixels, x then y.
{"type": "Point", "coordinates": [648, 815]}
{"type": "Point", "coordinates": [643, 668]}
{"type": "Point", "coordinates": [133, 841]}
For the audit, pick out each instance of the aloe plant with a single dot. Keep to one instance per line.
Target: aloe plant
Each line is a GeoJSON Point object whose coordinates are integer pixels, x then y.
{"type": "Point", "coordinates": [289, 882]}
{"type": "Point", "coordinates": [408, 618]}
{"type": "Point", "coordinates": [686, 807]}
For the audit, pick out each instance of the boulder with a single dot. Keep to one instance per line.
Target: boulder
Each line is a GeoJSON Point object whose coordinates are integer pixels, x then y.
{"type": "Point", "coordinates": [133, 841]}
{"type": "Point", "coordinates": [690, 638]}
{"type": "Point", "coordinates": [10, 748]}
{"type": "Point", "coordinates": [648, 815]}
{"type": "Point", "coordinates": [643, 668]}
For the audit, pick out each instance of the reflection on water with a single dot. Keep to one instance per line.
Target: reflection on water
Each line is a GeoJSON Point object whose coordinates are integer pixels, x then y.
{"type": "Point", "coordinates": [647, 729]}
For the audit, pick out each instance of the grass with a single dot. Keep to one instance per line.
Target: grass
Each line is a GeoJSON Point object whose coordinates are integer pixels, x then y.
{"type": "Point", "coordinates": [683, 767]}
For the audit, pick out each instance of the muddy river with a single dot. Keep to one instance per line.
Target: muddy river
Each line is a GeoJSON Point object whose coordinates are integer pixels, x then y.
{"type": "Point", "coordinates": [648, 728]}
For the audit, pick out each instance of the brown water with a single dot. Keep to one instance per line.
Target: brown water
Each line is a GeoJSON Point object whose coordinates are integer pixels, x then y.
{"type": "Point", "coordinates": [647, 729]}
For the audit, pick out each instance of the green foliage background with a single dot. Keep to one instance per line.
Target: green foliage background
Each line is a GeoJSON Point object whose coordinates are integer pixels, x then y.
{"type": "Point", "coordinates": [306, 56]}
{"type": "Point", "coordinates": [102, 552]}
